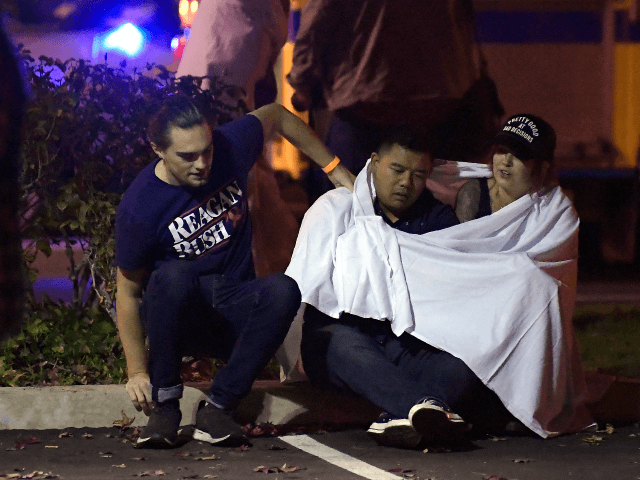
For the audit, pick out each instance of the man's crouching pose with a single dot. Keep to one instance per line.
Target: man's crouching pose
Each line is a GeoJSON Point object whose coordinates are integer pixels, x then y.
{"type": "Point", "coordinates": [183, 238]}
{"type": "Point", "coordinates": [419, 387]}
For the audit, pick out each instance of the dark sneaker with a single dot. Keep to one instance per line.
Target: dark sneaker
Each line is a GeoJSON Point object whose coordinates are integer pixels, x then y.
{"type": "Point", "coordinates": [162, 429]}
{"type": "Point", "coordinates": [216, 426]}
{"type": "Point", "coordinates": [392, 431]}
{"type": "Point", "coordinates": [435, 421]}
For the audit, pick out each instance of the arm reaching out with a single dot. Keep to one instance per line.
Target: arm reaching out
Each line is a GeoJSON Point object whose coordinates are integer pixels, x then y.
{"type": "Point", "coordinates": [128, 296]}
{"type": "Point", "coordinates": [277, 120]}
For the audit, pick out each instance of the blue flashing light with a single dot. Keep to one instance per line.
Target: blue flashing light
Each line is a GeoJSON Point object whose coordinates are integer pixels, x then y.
{"type": "Point", "coordinates": [175, 41]}
{"type": "Point", "coordinates": [127, 38]}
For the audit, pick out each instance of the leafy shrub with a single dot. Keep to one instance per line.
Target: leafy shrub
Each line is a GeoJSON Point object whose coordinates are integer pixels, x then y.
{"type": "Point", "coordinates": [58, 347]}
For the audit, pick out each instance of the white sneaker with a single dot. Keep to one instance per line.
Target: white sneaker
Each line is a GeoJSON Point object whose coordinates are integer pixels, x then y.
{"type": "Point", "coordinates": [436, 422]}
{"type": "Point", "coordinates": [392, 431]}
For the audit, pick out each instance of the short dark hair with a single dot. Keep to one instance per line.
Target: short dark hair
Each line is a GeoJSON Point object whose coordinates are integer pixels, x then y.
{"type": "Point", "coordinates": [177, 110]}
{"type": "Point", "coordinates": [409, 137]}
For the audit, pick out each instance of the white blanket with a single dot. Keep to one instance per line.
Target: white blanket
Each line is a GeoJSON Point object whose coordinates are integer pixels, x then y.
{"type": "Point", "coordinates": [497, 292]}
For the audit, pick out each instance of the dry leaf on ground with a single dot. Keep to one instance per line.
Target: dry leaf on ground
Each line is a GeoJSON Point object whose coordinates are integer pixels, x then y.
{"type": "Point", "coordinates": [263, 469]}
{"type": "Point", "coordinates": [403, 472]}
{"type": "Point", "coordinates": [36, 474]}
{"type": "Point", "coordinates": [288, 469]}
{"type": "Point", "coordinates": [436, 450]}
{"type": "Point", "coordinates": [607, 429]}
{"type": "Point", "coordinates": [284, 469]}
{"type": "Point", "coordinates": [125, 422]}
{"type": "Point", "coordinates": [592, 439]}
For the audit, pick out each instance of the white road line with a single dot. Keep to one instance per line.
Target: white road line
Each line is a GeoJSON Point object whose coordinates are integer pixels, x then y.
{"type": "Point", "coordinates": [339, 459]}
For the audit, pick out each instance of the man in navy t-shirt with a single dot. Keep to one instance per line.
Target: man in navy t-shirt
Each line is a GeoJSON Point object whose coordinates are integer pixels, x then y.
{"type": "Point", "coordinates": [183, 238]}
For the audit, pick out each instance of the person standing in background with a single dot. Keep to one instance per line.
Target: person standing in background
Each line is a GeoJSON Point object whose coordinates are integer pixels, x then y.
{"type": "Point", "coordinates": [376, 63]}
{"type": "Point", "coordinates": [238, 41]}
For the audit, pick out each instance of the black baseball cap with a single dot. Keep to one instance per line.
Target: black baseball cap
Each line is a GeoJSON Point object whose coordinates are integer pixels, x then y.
{"type": "Point", "coordinates": [528, 137]}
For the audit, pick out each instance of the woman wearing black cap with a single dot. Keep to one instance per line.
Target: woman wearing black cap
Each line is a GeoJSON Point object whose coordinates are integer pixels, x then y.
{"type": "Point", "coordinates": [522, 162]}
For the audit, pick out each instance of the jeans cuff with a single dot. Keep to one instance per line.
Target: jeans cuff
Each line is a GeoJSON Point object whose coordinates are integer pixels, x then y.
{"type": "Point", "coordinates": [217, 403]}
{"type": "Point", "coordinates": [162, 395]}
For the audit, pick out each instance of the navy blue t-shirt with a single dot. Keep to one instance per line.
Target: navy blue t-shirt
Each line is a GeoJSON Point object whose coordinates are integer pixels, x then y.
{"type": "Point", "coordinates": [157, 222]}
{"type": "Point", "coordinates": [426, 215]}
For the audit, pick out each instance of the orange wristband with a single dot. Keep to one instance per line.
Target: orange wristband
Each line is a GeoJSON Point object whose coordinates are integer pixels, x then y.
{"type": "Point", "coordinates": [329, 168]}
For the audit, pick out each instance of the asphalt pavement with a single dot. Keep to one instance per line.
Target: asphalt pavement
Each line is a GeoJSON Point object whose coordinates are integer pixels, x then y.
{"type": "Point", "coordinates": [106, 453]}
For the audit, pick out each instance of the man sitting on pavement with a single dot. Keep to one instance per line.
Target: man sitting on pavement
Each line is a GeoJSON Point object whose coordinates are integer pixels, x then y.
{"type": "Point", "coordinates": [471, 322]}
{"type": "Point", "coordinates": [415, 384]}
{"type": "Point", "coordinates": [183, 238]}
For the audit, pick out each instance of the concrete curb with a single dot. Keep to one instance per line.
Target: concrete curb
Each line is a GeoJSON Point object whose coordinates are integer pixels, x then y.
{"type": "Point", "coordinates": [611, 400]}
{"type": "Point", "coordinates": [96, 406]}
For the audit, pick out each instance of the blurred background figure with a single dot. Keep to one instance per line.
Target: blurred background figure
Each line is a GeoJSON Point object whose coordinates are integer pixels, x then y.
{"type": "Point", "coordinates": [239, 41]}
{"type": "Point", "coordinates": [12, 102]}
{"type": "Point", "coordinates": [376, 63]}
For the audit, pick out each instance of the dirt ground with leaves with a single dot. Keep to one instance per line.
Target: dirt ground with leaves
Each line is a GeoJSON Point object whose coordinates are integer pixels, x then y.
{"type": "Point", "coordinates": [611, 453]}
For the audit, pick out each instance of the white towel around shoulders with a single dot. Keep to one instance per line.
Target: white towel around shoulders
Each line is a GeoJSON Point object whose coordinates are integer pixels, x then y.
{"type": "Point", "coordinates": [497, 292]}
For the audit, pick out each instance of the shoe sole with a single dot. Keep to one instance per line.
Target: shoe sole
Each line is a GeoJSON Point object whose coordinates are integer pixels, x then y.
{"type": "Point", "coordinates": [203, 436]}
{"type": "Point", "coordinates": [154, 443]}
{"type": "Point", "coordinates": [399, 436]}
{"type": "Point", "coordinates": [435, 426]}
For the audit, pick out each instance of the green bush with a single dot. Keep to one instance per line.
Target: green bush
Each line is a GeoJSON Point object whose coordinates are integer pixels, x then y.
{"type": "Point", "coordinates": [608, 337]}
{"type": "Point", "coordinates": [58, 347]}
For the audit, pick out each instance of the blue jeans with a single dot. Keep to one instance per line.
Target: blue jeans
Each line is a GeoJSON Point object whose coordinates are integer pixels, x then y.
{"type": "Point", "coordinates": [187, 313]}
{"type": "Point", "coordinates": [365, 357]}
